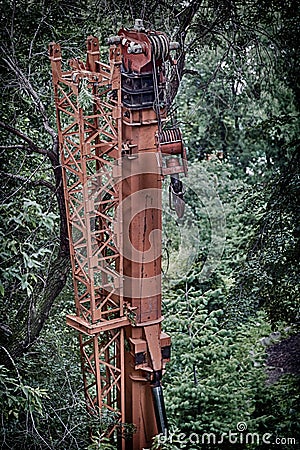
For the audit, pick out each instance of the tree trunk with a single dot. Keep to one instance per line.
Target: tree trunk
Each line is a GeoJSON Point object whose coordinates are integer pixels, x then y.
{"type": "Point", "coordinates": [28, 324]}
{"type": "Point", "coordinates": [25, 329]}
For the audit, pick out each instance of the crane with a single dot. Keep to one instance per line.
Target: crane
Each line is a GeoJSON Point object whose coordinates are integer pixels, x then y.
{"type": "Point", "coordinates": [116, 148]}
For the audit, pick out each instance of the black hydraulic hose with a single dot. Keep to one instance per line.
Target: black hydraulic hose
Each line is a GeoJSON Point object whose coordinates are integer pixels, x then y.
{"type": "Point", "coordinates": [177, 185]}
{"type": "Point", "coordinates": [176, 194]}
{"type": "Point", "coordinates": [159, 405]}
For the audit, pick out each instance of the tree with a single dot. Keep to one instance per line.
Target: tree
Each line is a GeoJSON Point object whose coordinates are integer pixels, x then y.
{"type": "Point", "coordinates": [269, 279]}
{"type": "Point", "coordinates": [29, 135]}
{"type": "Point", "coordinates": [28, 130]}
{"type": "Point", "coordinates": [238, 62]}
{"type": "Point", "coordinates": [34, 269]}
{"type": "Point", "coordinates": [28, 121]}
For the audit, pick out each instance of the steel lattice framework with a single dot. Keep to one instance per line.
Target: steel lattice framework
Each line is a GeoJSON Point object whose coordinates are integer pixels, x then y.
{"type": "Point", "coordinates": [88, 111]}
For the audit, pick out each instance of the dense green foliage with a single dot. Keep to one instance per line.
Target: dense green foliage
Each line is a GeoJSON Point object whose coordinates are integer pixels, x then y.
{"type": "Point", "coordinates": [231, 266]}
{"type": "Point", "coordinates": [217, 376]}
{"type": "Point", "coordinates": [270, 276]}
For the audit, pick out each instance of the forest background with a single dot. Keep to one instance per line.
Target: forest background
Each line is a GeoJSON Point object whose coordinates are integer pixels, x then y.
{"type": "Point", "coordinates": [233, 312]}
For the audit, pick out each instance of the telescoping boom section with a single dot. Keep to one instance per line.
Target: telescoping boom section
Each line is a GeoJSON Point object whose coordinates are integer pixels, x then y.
{"type": "Point", "coordinates": [115, 149]}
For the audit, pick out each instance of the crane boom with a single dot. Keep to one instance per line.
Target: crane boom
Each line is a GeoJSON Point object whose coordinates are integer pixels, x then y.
{"type": "Point", "coordinates": [115, 151]}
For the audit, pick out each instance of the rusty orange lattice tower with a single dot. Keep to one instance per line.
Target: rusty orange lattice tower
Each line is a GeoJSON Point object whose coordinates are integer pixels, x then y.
{"type": "Point", "coordinates": [115, 150]}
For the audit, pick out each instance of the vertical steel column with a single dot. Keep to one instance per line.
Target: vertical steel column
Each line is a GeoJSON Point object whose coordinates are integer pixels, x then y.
{"type": "Point", "coordinates": [143, 113]}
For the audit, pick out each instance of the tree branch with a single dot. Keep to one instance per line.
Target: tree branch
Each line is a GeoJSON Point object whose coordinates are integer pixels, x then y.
{"type": "Point", "coordinates": [28, 325]}
{"type": "Point", "coordinates": [33, 147]}
{"type": "Point", "coordinates": [13, 147]}
{"type": "Point", "coordinates": [187, 15]}
{"type": "Point", "coordinates": [28, 181]}
{"type": "Point", "coordinates": [25, 83]}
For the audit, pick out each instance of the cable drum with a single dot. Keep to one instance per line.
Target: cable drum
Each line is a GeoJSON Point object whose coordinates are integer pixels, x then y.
{"type": "Point", "coordinates": [160, 46]}
{"type": "Point", "coordinates": [170, 141]}
{"type": "Point", "coordinates": [170, 135]}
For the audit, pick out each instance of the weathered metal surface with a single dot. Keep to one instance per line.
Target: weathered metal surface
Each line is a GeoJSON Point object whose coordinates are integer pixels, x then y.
{"type": "Point", "coordinates": [110, 126]}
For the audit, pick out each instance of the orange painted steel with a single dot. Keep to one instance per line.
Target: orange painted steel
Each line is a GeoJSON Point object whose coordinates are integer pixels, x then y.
{"type": "Point", "coordinates": [90, 146]}
{"type": "Point", "coordinates": [109, 119]}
